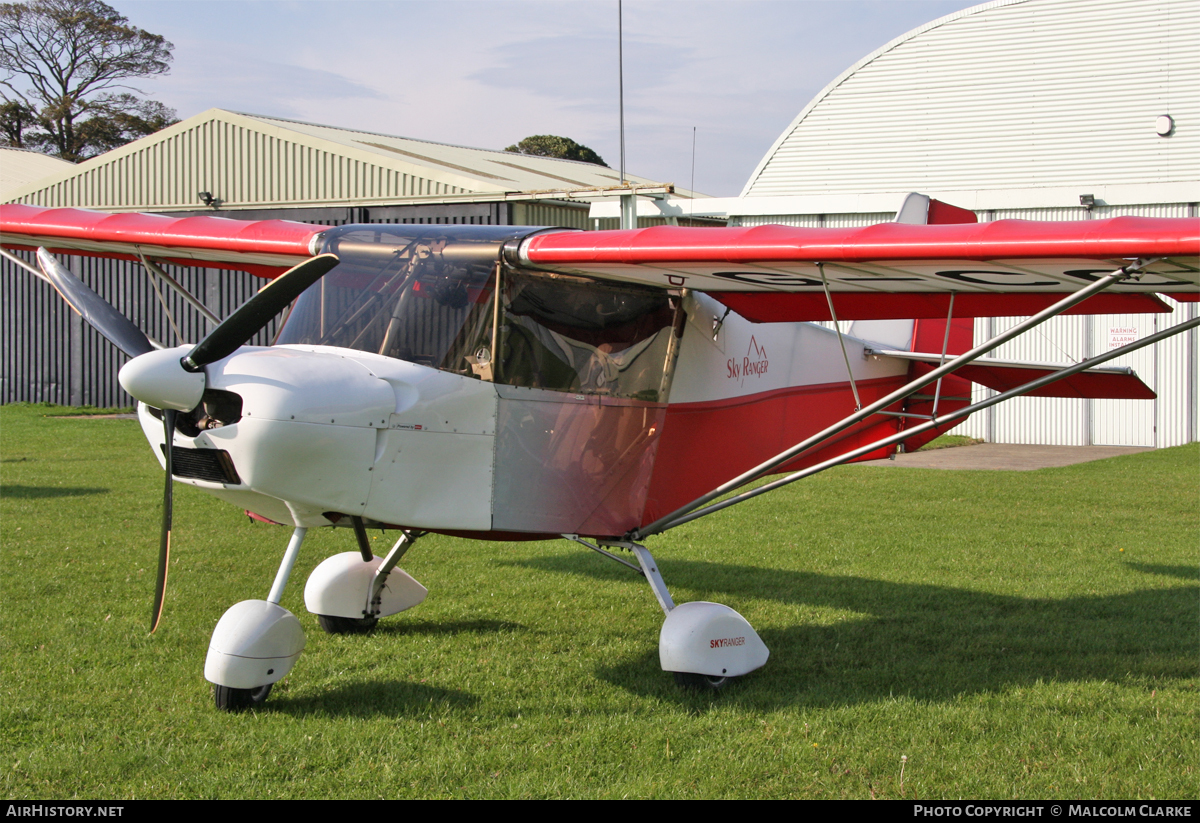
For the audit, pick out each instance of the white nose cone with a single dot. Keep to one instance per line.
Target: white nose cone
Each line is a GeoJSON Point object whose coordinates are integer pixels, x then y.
{"type": "Point", "coordinates": [157, 379]}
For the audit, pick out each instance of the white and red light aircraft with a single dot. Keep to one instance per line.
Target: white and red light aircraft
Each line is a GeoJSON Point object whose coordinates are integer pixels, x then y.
{"type": "Point", "coordinates": [511, 382]}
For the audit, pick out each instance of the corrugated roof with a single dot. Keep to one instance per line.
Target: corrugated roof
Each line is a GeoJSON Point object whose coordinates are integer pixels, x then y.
{"type": "Point", "coordinates": [1012, 94]}
{"type": "Point", "coordinates": [249, 161]}
{"type": "Point", "coordinates": [20, 167]}
{"type": "Point", "coordinates": [491, 170]}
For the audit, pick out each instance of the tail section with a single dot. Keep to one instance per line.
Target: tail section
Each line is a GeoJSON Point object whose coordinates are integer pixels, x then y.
{"type": "Point", "coordinates": [954, 392]}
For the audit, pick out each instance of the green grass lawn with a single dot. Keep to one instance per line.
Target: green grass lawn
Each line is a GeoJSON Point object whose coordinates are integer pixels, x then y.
{"type": "Point", "coordinates": [1012, 634]}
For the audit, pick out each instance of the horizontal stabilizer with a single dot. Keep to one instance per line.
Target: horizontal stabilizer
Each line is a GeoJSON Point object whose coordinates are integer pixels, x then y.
{"type": "Point", "coordinates": [1120, 383]}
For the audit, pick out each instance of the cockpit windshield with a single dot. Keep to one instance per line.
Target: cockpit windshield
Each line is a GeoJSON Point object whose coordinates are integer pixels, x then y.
{"type": "Point", "coordinates": [427, 294]}
{"type": "Point", "coordinates": [404, 291]}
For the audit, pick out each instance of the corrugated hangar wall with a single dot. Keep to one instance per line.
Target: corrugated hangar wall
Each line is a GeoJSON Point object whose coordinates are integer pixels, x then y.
{"type": "Point", "coordinates": [50, 355]}
{"type": "Point", "coordinates": [245, 166]}
{"type": "Point", "coordinates": [1015, 109]}
{"type": "Point", "coordinates": [1171, 368]}
{"type": "Point", "coordinates": [259, 169]}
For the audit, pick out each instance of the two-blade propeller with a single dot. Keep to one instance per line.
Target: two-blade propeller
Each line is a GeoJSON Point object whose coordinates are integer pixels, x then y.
{"type": "Point", "coordinates": [224, 340]}
{"type": "Point", "coordinates": [256, 313]}
{"type": "Point", "coordinates": [116, 327]}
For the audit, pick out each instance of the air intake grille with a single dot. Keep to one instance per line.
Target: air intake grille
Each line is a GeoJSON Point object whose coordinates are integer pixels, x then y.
{"type": "Point", "coordinates": [213, 465]}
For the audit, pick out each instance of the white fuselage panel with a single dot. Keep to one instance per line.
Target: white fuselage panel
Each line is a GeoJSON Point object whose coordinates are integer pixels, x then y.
{"type": "Point", "coordinates": [748, 358]}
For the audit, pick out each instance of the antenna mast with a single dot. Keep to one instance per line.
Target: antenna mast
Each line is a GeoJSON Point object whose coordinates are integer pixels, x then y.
{"type": "Point", "coordinates": [628, 201]}
{"type": "Point", "coordinates": [621, 86]}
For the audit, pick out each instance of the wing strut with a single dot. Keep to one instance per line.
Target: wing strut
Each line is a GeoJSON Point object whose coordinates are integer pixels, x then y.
{"type": "Point", "coordinates": [837, 327]}
{"type": "Point", "coordinates": [179, 341]}
{"type": "Point", "coordinates": [1032, 385]}
{"type": "Point", "coordinates": [156, 271]}
{"type": "Point", "coordinates": [763, 469]}
{"type": "Point", "coordinates": [937, 392]}
{"type": "Point", "coordinates": [12, 258]}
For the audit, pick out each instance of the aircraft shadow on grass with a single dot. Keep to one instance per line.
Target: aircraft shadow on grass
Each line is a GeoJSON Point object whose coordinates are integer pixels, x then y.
{"type": "Point", "coordinates": [926, 642]}
{"type": "Point", "coordinates": [367, 698]}
{"type": "Point", "coordinates": [15, 491]}
{"type": "Point", "coordinates": [1182, 572]}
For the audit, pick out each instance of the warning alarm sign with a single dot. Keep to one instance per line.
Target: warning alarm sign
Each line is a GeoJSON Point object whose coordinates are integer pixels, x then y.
{"type": "Point", "coordinates": [1121, 335]}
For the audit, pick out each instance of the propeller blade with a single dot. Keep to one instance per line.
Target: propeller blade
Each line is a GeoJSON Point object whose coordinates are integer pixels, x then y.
{"type": "Point", "coordinates": [116, 327]}
{"type": "Point", "coordinates": [164, 544]}
{"type": "Point", "coordinates": [257, 312]}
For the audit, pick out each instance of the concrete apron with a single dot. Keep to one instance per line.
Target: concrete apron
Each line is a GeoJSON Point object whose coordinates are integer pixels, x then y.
{"type": "Point", "coordinates": [1004, 456]}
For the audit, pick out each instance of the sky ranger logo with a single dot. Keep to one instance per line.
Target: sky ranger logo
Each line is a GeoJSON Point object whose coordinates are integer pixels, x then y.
{"type": "Point", "coordinates": [722, 642]}
{"type": "Point", "coordinates": [754, 363]}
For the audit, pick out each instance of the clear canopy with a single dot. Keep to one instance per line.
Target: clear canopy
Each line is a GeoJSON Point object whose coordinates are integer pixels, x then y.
{"type": "Point", "coordinates": [426, 294]}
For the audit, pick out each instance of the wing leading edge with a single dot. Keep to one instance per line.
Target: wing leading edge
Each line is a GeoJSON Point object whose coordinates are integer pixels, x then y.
{"type": "Point", "coordinates": [263, 247]}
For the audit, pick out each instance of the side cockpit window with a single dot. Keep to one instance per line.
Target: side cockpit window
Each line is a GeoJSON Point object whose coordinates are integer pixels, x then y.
{"type": "Point", "coordinates": [581, 335]}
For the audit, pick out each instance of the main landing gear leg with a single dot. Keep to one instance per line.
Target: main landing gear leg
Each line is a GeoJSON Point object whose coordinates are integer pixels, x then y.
{"type": "Point", "coordinates": [255, 643]}
{"type": "Point", "coordinates": [349, 592]}
{"type": "Point", "coordinates": [704, 645]}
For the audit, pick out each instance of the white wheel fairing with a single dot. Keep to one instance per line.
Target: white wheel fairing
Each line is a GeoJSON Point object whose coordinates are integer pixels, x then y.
{"type": "Point", "coordinates": [709, 639]}
{"type": "Point", "coordinates": [254, 644]}
{"type": "Point", "coordinates": [341, 587]}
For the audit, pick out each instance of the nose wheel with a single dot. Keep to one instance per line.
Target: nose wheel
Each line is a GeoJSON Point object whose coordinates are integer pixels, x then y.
{"type": "Point", "coordinates": [255, 643]}
{"type": "Point", "coordinates": [236, 700]}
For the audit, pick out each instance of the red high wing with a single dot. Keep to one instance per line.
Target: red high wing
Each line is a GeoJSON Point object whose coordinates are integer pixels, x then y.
{"type": "Point", "coordinates": [1008, 267]}
{"type": "Point", "coordinates": [1117, 237]}
{"type": "Point", "coordinates": [264, 247]}
{"type": "Point", "coordinates": [892, 270]}
{"type": "Point", "coordinates": [775, 307]}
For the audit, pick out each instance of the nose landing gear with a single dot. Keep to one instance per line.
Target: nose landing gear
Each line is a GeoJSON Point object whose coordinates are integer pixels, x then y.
{"type": "Point", "coordinates": [257, 642]}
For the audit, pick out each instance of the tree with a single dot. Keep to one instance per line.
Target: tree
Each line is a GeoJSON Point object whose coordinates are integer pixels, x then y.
{"type": "Point", "coordinates": [550, 145]}
{"type": "Point", "coordinates": [64, 63]}
{"type": "Point", "coordinates": [15, 119]}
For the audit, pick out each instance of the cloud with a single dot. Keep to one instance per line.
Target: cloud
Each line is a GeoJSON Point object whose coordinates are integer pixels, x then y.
{"type": "Point", "coordinates": [582, 70]}
{"type": "Point", "coordinates": [231, 77]}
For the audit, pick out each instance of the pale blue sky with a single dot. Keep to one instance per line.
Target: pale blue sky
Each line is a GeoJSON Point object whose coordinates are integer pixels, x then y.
{"type": "Point", "coordinates": [489, 73]}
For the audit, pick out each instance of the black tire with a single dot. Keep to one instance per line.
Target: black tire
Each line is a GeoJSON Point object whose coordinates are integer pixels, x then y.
{"type": "Point", "coordinates": [346, 625]}
{"type": "Point", "coordinates": [701, 682]}
{"type": "Point", "coordinates": [237, 700]}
